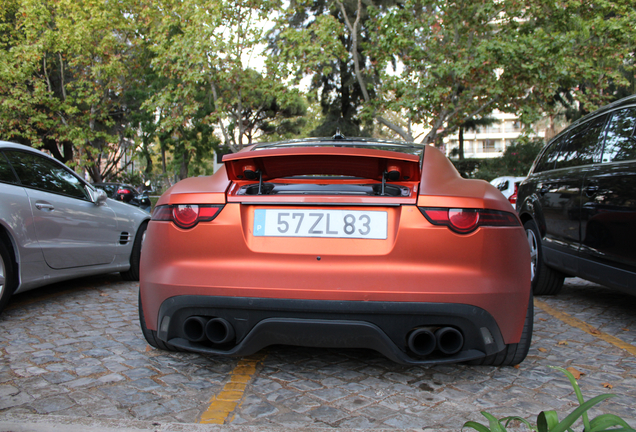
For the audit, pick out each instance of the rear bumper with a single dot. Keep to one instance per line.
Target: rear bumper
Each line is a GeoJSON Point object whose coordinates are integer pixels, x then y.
{"type": "Point", "coordinates": [381, 326]}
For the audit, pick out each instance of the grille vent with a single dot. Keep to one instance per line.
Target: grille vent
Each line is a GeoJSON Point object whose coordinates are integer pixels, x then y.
{"type": "Point", "coordinates": [124, 238]}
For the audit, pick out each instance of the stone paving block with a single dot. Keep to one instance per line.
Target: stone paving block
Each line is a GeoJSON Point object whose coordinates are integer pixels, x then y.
{"type": "Point", "coordinates": [293, 420]}
{"type": "Point", "coordinates": [302, 404]}
{"type": "Point", "coordinates": [284, 376]}
{"type": "Point", "coordinates": [360, 422]}
{"type": "Point", "coordinates": [280, 395]}
{"type": "Point", "coordinates": [58, 377]}
{"type": "Point", "coordinates": [139, 373]}
{"type": "Point", "coordinates": [259, 409]}
{"type": "Point", "coordinates": [11, 396]}
{"type": "Point", "coordinates": [305, 385]}
{"type": "Point", "coordinates": [352, 403]}
{"type": "Point", "coordinates": [52, 404]}
{"type": "Point", "coordinates": [403, 421]}
{"type": "Point", "coordinates": [327, 415]}
{"type": "Point", "coordinates": [174, 379]}
{"type": "Point", "coordinates": [127, 396]}
{"type": "Point", "coordinates": [177, 405]}
{"type": "Point", "coordinates": [149, 410]}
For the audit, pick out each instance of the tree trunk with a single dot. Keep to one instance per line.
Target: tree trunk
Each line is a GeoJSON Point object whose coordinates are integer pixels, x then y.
{"type": "Point", "coordinates": [461, 143]}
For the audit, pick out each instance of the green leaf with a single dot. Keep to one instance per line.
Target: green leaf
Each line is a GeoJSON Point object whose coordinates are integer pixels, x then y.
{"type": "Point", "coordinates": [605, 421]}
{"type": "Point", "coordinates": [477, 426]}
{"type": "Point", "coordinates": [495, 425]}
{"type": "Point", "coordinates": [519, 419]}
{"type": "Point", "coordinates": [578, 412]}
{"type": "Point", "coordinates": [546, 420]}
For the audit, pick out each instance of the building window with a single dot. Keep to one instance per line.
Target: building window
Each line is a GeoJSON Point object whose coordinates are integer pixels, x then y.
{"type": "Point", "coordinates": [491, 146]}
{"type": "Point", "coordinates": [512, 126]}
{"type": "Point", "coordinates": [494, 128]}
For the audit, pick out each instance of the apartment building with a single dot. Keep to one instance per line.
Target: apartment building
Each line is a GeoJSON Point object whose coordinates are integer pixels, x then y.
{"type": "Point", "coordinates": [487, 141]}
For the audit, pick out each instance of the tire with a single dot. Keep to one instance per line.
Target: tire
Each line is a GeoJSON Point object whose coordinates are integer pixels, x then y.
{"type": "Point", "coordinates": [8, 280]}
{"type": "Point", "coordinates": [151, 335]}
{"type": "Point", "coordinates": [513, 354]}
{"type": "Point", "coordinates": [132, 274]}
{"type": "Point", "coordinates": [545, 280]}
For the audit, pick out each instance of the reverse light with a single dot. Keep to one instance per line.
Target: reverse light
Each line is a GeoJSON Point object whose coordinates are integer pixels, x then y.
{"type": "Point", "coordinates": [464, 221]}
{"type": "Point", "coordinates": [186, 215]}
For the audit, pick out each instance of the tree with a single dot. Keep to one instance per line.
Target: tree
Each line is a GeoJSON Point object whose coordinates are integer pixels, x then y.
{"type": "Point", "coordinates": [66, 67]}
{"type": "Point", "coordinates": [260, 110]}
{"type": "Point", "coordinates": [465, 60]}
{"type": "Point", "coordinates": [328, 40]}
{"type": "Point", "coordinates": [200, 49]}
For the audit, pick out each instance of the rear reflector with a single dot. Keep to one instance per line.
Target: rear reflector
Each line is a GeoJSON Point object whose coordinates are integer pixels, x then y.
{"type": "Point", "coordinates": [186, 215]}
{"type": "Point", "coordinates": [465, 221]}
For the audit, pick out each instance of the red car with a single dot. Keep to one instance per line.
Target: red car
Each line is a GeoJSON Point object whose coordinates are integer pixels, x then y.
{"type": "Point", "coordinates": [338, 243]}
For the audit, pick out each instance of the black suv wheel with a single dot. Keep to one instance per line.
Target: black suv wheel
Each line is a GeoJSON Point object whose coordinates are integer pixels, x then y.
{"type": "Point", "coordinates": [545, 280]}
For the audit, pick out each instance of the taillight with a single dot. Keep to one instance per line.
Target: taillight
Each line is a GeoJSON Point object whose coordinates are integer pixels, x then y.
{"type": "Point", "coordinates": [186, 215]}
{"type": "Point", "coordinates": [123, 191]}
{"type": "Point", "coordinates": [464, 221]}
{"type": "Point", "coordinates": [513, 198]}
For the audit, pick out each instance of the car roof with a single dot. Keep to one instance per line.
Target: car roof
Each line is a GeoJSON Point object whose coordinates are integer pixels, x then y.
{"type": "Point", "coordinates": [8, 144]}
{"type": "Point", "coordinates": [625, 102]}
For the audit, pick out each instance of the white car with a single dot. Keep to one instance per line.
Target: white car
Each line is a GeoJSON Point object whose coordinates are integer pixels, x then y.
{"type": "Point", "coordinates": [506, 184]}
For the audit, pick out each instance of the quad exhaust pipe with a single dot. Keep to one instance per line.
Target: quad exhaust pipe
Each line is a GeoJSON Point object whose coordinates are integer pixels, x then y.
{"type": "Point", "coordinates": [216, 330]}
{"type": "Point", "coordinates": [219, 331]}
{"type": "Point", "coordinates": [424, 340]}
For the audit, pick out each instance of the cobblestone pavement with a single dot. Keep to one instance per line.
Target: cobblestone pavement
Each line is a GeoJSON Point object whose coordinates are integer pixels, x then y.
{"type": "Point", "coordinates": [75, 350]}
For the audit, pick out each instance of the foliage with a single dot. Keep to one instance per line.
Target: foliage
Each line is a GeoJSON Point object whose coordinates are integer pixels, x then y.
{"type": "Point", "coordinates": [548, 421]}
{"type": "Point", "coordinates": [459, 62]}
{"type": "Point", "coordinates": [314, 39]}
{"type": "Point", "coordinates": [199, 50]}
{"type": "Point", "coordinates": [516, 161]}
{"type": "Point", "coordinates": [66, 66]}
{"type": "Point", "coordinates": [262, 112]}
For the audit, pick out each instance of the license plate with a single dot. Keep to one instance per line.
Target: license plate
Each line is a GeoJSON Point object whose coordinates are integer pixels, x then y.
{"type": "Point", "coordinates": [320, 223]}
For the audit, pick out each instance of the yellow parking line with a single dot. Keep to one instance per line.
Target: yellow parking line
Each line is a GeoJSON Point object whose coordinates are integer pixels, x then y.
{"type": "Point", "coordinates": [229, 398]}
{"type": "Point", "coordinates": [582, 325]}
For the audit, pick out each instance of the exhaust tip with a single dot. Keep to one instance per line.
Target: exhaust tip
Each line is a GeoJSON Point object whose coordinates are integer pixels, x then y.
{"type": "Point", "coordinates": [194, 328]}
{"type": "Point", "coordinates": [219, 331]}
{"type": "Point", "coordinates": [421, 341]}
{"type": "Point", "coordinates": [449, 340]}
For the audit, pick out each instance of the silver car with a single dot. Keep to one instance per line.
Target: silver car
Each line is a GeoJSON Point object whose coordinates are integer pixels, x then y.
{"type": "Point", "coordinates": [55, 226]}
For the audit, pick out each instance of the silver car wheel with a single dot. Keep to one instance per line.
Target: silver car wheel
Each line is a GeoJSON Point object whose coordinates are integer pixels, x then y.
{"type": "Point", "coordinates": [534, 252]}
{"type": "Point", "coordinates": [3, 276]}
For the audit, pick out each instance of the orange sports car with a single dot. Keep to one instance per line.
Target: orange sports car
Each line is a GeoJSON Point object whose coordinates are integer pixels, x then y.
{"type": "Point", "coordinates": [336, 242]}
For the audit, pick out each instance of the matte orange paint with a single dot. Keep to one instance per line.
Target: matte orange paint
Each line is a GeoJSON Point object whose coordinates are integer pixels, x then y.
{"type": "Point", "coordinates": [418, 262]}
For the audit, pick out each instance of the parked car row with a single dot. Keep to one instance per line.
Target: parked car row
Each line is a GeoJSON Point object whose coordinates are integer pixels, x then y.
{"type": "Point", "coordinates": [126, 193]}
{"type": "Point", "coordinates": [54, 226]}
{"type": "Point", "coordinates": [336, 242]}
{"type": "Point", "coordinates": [578, 204]}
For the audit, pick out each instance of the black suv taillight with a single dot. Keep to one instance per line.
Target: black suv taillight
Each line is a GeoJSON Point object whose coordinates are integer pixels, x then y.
{"type": "Point", "coordinates": [464, 221]}
{"type": "Point", "coordinates": [186, 215]}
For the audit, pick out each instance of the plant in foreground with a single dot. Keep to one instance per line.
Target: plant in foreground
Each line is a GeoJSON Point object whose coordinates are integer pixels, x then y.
{"type": "Point", "coordinates": [548, 421]}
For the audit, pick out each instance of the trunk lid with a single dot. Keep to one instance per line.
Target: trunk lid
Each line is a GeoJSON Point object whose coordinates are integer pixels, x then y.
{"type": "Point", "coordinates": [323, 175]}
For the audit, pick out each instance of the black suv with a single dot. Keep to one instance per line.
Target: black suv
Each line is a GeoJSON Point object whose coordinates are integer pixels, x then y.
{"type": "Point", "coordinates": [578, 204]}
